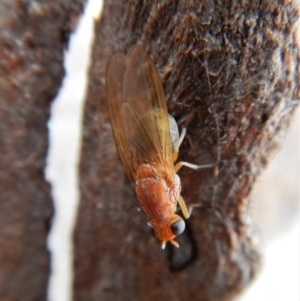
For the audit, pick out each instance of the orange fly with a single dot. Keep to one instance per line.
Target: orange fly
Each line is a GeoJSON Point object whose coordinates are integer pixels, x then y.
{"type": "Point", "coordinates": [147, 140]}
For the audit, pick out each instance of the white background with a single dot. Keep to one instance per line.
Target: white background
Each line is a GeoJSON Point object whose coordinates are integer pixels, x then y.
{"type": "Point", "coordinates": [275, 204]}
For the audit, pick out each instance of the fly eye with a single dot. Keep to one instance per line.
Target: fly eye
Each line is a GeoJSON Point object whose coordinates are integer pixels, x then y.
{"type": "Point", "coordinates": [178, 227]}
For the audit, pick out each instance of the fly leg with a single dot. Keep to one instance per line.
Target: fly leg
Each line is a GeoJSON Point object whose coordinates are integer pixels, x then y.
{"type": "Point", "coordinates": [178, 165]}
{"type": "Point", "coordinates": [179, 141]}
{"type": "Point", "coordinates": [192, 166]}
{"type": "Point", "coordinates": [186, 210]}
{"type": "Point", "coordinates": [176, 144]}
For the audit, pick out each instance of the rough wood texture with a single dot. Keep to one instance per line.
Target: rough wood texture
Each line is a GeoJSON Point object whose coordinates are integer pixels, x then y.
{"type": "Point", "coordinates": [33, 36]}
{"type": "Point", "coordinates": [235, 63]}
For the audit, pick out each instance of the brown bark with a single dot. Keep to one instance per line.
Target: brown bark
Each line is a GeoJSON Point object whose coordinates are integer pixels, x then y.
{"type": "Point", "coordinates": [33, 36]}
{"type": "Point", "coordinates": [235, 63]}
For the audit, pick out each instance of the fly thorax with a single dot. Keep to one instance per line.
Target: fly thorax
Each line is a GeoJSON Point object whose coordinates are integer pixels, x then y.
{"type": "Point", "coordinates": [158, 194]}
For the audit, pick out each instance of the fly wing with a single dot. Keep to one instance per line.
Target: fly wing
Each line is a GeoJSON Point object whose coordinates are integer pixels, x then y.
{"type": "Point", "coordinates": [114, 86]}
{"type": "Point", "coordinates": [138, 111]}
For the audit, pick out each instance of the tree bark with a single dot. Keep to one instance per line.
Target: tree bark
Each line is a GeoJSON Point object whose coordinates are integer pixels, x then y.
{"type": "Point", "coordinates": [33, 36]}
{"type": "Point", "coordinates": [234, 64]}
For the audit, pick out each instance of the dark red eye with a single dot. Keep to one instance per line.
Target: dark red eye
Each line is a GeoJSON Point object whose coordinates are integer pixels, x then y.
{"type": "Point", "coordinates": [178, 227]}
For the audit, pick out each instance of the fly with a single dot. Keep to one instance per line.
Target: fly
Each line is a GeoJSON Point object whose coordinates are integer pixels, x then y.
{"type": "Point", "coordinates": [147, 140]}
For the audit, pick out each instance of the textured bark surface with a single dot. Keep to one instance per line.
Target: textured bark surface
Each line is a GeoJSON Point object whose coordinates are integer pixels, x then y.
{"type": "Point", "coordinates": [33, 36]}
{"type": "Point", "coordinates": [235, 63]}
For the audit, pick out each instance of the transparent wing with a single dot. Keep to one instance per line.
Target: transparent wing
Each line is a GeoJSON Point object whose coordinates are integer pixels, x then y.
{"type": "Point", "coordinates": [138, 111]}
